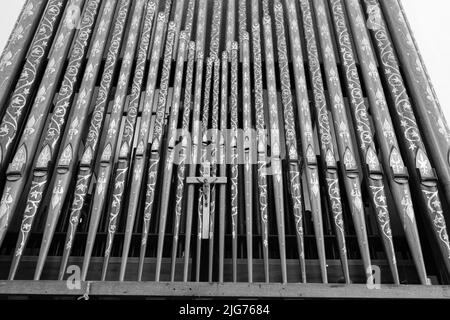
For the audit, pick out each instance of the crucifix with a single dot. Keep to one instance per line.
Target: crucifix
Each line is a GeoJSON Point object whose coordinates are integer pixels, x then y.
{"type": "Point", "coordinates": [207, 181]}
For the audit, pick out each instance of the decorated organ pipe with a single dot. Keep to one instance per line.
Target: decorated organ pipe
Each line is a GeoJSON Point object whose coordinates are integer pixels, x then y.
{"type": "Point", "coordinates": [243, 141]}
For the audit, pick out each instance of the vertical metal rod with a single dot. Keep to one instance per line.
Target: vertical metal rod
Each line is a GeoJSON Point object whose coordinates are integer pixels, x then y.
{"type": "Point", "coordinates": [234, 156]}
{"type": "Point", "coordinates": [190, 12]}
{"type": "Point", "coordinates": [328, 152]}
{"type": "Point", "coordinates": [422, 173]}
{"type": "Point", "coordinates": [214, 161]}
{"type": "Point", "coordinates": [178, 19]}
{"type": "Point", "coordinates": [183, 155]}
{"type": "Point", "coordinates": [196, 127]}
{"type": "Point", "coordinates": [142, 138]}
{"type": "Point", "coordinates": [18, 105]}
{"type": "Point", "coordinates": [204, 164]}
{"type": "Point", "coordinates": [365, 137]}
{"type": "Point", "coordinates": [17, 46]}
{"type": "Point", "coordinates": [436, 131]}
{"type": "Point", "coordinates": [395, 169]}
{"type": "Point", "coordinates": [67, 159]}
{"type": "Point", "coordinates": [97, 125]}
{"type": "Point", "coordinates": [18, 171]}
{"type": "Point", "coordinates": [275, 142]}
{"type": "Point", "coordinates": [168, 165]}
{"type": "Point", "coordinates": [248, 150]}
{"type": "Point", "coordinates": [52, 134]}
{"type": "Point", "coordinates": [122, 169]}
{"type": "Point", "coordinates": [306, 134]}
{"type": "Point", "coordinates": [223, 156]}
{"type": "Point", "coordinates": [155, 157]}
{"type": "Point", "coordinates": [291, 136]}
{"type": "Point", "coordinates": [85, 168]}
{"type": "Point", "coordinates": [262, 147]}
{"type": "Point", "coordinates": [347, 153]}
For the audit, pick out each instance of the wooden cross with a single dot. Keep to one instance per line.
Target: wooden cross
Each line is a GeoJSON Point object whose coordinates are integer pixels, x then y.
{"type": "Point", "coordinates": [206, 181]}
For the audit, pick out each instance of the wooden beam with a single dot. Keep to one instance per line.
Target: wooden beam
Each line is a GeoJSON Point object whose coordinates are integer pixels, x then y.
{"type": "Point", "coordinates": [206, 290]}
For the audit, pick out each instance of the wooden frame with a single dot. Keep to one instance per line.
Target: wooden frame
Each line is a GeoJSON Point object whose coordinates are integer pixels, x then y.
{"type": "Point", "coordinates": [228, 290]}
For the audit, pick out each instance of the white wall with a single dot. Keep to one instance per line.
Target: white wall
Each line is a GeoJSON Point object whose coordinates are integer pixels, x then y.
{"type": "Point", "coordinates": [10, 10]}
{"type": "Point", "coordinates": [430, 20]}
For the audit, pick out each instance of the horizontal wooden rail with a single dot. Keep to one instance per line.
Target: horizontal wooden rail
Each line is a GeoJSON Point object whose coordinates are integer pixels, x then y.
{"type": "Point", "coordinates": [206, 290]}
